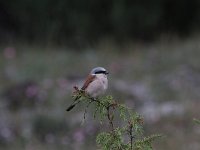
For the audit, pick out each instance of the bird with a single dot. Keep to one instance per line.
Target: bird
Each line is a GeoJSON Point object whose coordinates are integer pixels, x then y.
{"type": "Point", "coordinates": [95, 84]}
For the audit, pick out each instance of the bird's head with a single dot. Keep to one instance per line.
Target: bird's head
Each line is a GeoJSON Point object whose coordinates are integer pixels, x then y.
{"type": "Point", "coordinates": [99, 70]}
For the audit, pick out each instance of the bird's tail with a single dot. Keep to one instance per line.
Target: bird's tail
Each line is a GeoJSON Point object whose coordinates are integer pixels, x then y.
{"type": "Point", "coordinates": [70, 107]}
{"type": "Point", "coordinates": [76, 101]}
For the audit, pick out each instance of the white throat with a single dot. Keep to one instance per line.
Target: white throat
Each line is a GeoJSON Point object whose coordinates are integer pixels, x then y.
{"type": "Point", "coordinates": [103, 79]}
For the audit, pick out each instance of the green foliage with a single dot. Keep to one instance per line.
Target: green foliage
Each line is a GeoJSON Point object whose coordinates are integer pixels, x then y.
{"type": "Point", "coordinates": [116, 137]}
{"type": "Point", "coordinates": [145, 143]}
{"type": "Point", "coordinates": [111, 140]}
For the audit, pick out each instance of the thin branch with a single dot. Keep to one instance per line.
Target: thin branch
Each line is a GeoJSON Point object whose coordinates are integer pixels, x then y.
{"type": "Point", "coordinates": [130, 130]}
{"type": "Point", "coordinates": [110, 117]}
{"type": "Point", "coordinates": [84, 116]}
{"type": "Point", "coordinates": [131, 136]}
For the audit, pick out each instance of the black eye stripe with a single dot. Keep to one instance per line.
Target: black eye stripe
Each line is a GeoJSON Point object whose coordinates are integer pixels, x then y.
{"type": "Point", "coordinates": [99, 72]}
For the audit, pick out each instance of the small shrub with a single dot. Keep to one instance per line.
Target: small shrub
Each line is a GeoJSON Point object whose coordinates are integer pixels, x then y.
{"type": "Point", "coordinates": [107, 109]}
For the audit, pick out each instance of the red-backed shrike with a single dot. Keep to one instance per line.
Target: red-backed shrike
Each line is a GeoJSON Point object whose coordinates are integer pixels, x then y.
{"type": "Point", "coordinates": [95, 84]}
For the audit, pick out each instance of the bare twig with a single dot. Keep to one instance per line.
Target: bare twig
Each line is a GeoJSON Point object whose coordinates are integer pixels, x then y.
{"type": "Point", "coordinates": [130, 131]}
{"type": "Point", "coordinates": [84, 116]}
{"type": "Point", "coordinates": [110, 117]}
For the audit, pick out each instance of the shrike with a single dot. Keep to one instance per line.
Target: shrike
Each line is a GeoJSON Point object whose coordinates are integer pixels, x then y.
{"type": "Point", "coordinates": [95, 84]}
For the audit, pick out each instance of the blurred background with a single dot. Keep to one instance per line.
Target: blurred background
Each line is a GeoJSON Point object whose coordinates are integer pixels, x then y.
{"type": "Point", "coordinates": [151, 49]}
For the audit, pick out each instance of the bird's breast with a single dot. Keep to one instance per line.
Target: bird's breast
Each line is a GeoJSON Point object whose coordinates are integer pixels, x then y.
{"type": "Point", "coordinates": [98, 86]}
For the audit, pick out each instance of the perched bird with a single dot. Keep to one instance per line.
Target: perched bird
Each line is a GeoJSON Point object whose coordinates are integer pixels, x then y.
{"type": "Point", "coordinates": [95, 84]}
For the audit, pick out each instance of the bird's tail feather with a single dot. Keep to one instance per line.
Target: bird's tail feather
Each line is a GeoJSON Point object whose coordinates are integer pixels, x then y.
{"type": "Point", "coordinates": [76, 101]}
{"type": "Point", "coordinates": [72, 105]}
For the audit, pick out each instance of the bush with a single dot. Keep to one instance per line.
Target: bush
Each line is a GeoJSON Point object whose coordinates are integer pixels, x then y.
{"type": "Point", "coordinates": [115, 138]}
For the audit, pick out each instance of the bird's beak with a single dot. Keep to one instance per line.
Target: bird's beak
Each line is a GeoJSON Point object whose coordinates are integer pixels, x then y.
{"type": "Point", "coordinates": [106, 72]}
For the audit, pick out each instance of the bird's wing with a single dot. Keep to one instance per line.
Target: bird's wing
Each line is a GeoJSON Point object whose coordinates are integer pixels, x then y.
{"type": "Point", "coordinates": [89, 79]}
